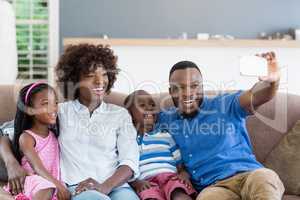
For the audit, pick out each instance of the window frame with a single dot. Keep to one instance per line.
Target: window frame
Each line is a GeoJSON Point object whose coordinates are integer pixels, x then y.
{"type": "Point", "coordinates": [53, 38]}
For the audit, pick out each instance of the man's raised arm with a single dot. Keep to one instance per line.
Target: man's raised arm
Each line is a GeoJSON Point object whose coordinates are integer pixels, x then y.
{"type": "Point", "coordinates": [264, 90]}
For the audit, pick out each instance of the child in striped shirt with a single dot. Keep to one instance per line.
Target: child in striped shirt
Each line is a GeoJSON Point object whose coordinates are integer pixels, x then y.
{"type": "Point", "coordinates": [162, 174]}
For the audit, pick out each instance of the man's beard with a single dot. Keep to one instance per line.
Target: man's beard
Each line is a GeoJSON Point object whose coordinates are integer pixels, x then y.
{"type": "Point", "coordinates": [191, 114]}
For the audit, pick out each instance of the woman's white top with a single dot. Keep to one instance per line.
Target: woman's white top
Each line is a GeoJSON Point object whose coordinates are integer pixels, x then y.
{"type": "Point", "coordinates": [95, 146]}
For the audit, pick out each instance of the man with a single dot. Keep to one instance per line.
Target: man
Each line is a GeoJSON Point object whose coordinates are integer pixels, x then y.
{"type": "Point", "coordinates": [212, 135]}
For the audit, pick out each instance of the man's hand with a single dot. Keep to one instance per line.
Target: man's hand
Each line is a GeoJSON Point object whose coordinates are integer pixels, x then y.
{"type": "Point", "coordinates": [141, 185]}
{"type": "Point", "coordinates": [273, 69]}
{"type": "Point", "coordinates": [265, 89]}
{"type": "Point", "coordinates": [91, 184]}
{"type": "Point", "coordinates": [16, 177]}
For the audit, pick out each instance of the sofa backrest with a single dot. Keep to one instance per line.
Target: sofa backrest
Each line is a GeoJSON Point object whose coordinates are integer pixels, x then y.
{"type": "Point", "coordinates": [8, 99]}
{"type": "Point", "coordinates": [266, 127]}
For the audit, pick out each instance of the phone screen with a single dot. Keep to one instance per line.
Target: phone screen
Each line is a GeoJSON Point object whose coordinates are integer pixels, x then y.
{"type": "Point", "coordinates": [253, 66]}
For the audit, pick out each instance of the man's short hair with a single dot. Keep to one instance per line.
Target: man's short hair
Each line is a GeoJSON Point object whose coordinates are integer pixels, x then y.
{"type": "Point", "coordinates": [183, 65]}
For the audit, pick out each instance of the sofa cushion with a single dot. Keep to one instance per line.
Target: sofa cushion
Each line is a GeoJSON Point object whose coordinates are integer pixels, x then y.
{"type": "Point", "coordinates": [7, 130]}
{"type": "Point", "coordinates": [284, 159]}
{"type": "Point", "coordinates": [7, 102]}
{"type": "Point", "coordinates": [291, 197]}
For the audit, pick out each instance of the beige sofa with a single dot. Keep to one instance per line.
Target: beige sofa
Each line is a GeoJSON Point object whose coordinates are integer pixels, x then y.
{"type": "Point", "coordinates": [264, 137]}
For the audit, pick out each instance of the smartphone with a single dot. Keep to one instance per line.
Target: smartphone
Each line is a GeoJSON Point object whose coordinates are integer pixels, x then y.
{"type": "Point", "coordinates": [253, 66]}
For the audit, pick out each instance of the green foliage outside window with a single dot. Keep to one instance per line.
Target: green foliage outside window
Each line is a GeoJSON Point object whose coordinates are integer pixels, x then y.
{"type": "Point", "coordinates": [32, 38]}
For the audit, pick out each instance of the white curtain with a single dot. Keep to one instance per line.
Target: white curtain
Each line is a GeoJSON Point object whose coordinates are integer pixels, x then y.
{"type": "Point", "coordinates": [8, 46]}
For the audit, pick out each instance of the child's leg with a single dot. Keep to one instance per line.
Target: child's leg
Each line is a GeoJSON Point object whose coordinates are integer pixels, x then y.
{"type": "Point", "coordinates": [38, 188]}
{"type": "Point", "coordinates": [174, 188]}
{"type": "Point", "coordinates": [45, 194]}
{"type": "Point", "coordinates": [180, 194]}
{"type": "Point", "coordinates": [153, 193]}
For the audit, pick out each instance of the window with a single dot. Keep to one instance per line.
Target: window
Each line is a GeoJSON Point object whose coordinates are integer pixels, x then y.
{"type": "Point", "coordinates": [37, 48]}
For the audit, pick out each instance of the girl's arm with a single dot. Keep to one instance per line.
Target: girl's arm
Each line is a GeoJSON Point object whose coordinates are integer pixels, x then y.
{"type": "Point", "coordinates": [27, 143]}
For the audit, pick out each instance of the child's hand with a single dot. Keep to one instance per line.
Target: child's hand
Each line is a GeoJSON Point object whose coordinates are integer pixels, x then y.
{"type": "Point", "coordinates": [140, 185]}
{"type": "Point", "coordinates": [62, 192]}
{"type": "Point", "coordinates": [184, 178]}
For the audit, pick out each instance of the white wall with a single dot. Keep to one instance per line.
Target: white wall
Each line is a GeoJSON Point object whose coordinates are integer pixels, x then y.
{"type": "Point", "coordinates": [148, 67]}
{"type": "Point", "coordinates": [8, 45]}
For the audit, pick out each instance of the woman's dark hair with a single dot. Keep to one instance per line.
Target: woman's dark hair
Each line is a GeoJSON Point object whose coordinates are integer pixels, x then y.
{"type": "Point", "coordinates": [83, 59]}
{"type": "Point", "coordinates": [23, 121]}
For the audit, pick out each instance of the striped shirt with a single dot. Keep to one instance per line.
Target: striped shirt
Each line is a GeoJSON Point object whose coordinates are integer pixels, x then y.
{"type": "Point", "coordinates": [158, 154]}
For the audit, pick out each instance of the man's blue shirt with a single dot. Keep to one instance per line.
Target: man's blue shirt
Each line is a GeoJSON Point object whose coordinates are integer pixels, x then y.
{"type": "Point", "coordinates": [215, 143]}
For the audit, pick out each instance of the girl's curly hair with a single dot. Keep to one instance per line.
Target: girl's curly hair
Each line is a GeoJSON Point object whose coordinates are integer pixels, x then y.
{"type": "Point", "coordinates": [83, 59]}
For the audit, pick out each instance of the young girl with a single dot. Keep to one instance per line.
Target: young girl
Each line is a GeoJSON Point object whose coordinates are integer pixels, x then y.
{"type": "Point", "coordinates": [35, 143]}
{"type": "Point", "coordinates": [159, 156]}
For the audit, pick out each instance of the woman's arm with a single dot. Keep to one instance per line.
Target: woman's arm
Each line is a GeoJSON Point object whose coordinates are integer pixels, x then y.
{"type": "Point", "coordinates": [121, 176]}
{"type": "Point", "coordinates": [128, 148]}
{"type": "Point", "coordinates": [16, 174]}
{"type": "Point", "coordinates": [128, 160]}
